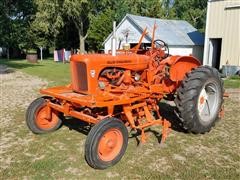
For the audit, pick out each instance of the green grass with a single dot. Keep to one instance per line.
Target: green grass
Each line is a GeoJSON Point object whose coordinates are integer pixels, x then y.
{"type": "Point", "coordinates": [56, 73]}
{"type": "Point", "coordinates": [60, 155]}
{"type": "Point", "coordinates": [232, 82]}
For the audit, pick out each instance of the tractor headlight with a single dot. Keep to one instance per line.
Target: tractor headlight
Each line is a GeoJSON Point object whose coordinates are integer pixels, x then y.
{"type": "Point", "coordinates": [137, 77]}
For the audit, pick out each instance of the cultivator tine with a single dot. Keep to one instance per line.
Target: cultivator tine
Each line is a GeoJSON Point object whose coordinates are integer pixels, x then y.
{"type": "Point", "coordinates": [221, 112]}
{"type": "Point", "coordinates": [165, 130]}
{"type": "Point", "coordinates": [143, 137]}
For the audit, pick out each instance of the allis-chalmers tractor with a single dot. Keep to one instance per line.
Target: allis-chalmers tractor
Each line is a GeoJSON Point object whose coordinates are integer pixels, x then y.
{"type": "Point", "coordinates": [120, 91]}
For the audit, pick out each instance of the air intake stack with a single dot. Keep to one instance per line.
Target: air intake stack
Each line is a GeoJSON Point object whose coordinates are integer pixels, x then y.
{"type": "Point", "coordinates": [114, 39]}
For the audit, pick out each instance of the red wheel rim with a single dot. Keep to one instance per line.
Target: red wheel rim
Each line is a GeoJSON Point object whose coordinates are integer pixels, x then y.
{"type": "Point", "coordinates": [201, 100]}
{"type": "Point", "coordinates": [44, 123]}
{"type": "Point", "coordinates": [110, 144]}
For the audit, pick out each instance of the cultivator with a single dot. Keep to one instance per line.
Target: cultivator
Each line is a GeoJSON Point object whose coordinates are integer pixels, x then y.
{"type": "Point", "coordinates": [122, 89]}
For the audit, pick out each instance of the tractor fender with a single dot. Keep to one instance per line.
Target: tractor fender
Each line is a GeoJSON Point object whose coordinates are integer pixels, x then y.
{"type": "Point", "coordinates": [180, 65]}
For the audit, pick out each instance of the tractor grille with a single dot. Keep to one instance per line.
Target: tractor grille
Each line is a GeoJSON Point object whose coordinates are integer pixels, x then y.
{"type": "Point", "coordinates": [79, 76]}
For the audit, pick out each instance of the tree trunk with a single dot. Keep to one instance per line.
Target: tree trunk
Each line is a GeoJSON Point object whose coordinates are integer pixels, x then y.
{"type": "Point", "coordinates": [8, 53]}
{"type": "Point", "coordinates": [81, 43]}
{"type": "Point", "coordinates": [79, 26]}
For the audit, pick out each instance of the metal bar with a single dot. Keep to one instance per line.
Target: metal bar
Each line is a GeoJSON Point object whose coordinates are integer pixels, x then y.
{"type": "Point", "coordinates": [73, 113]}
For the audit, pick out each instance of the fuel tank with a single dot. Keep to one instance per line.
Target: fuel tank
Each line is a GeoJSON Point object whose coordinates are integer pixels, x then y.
{"type": "Point", "coordinates": [131, 61]}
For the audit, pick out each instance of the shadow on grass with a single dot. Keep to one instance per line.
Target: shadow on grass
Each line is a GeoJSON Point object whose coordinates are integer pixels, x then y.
{"type": "Point", "coordinates": [5, 70]}
{"type": "Point", "coordinates": [166, 111]}
{"type": "Point", "coordinates": [18, 64]}
{"type": "Point", "coordinates": [77, 125]}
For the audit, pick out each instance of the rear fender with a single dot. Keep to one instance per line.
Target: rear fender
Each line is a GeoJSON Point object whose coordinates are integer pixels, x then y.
{"type": "Point", "coordinates": [182, 65]}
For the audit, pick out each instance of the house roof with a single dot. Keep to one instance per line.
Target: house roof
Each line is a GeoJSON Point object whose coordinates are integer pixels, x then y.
{"type": "Point", "coordinates": [173, 32]}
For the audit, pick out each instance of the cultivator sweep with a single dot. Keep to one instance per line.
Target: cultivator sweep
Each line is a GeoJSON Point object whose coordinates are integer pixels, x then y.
{"type": "Point", "coordinates": [122, 89]}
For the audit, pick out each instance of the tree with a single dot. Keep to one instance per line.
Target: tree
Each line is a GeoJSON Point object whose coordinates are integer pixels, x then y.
{"type": "Point", "coordinates": [43, 23]}
{"type": "Point", "coordinates": [78, 11]}
{"type": "Point", "coordinates": [101, 21]}
{"type": "Point", "coordinates": [54, 15]}
{"type": "Point", "coordinates": [14, 22]}
{"type": "Point", "coordinates": [193, 11]}
{"type": "Point", "coordinates": [150, 8]}
{"type": "Point", "coordinates": [47, 23]}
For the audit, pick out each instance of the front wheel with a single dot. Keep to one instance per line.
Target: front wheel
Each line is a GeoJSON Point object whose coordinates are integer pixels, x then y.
{"type": "Point", "coordinates": [199, 99]}
{"type": "Point", "coordinates": [36, 117]}
{"type": "Point", "coordinates": [106, 143]}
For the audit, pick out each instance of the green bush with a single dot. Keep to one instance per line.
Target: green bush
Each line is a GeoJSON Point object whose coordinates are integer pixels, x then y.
{"type": "Point", "coordinates": [237, 77]}
{"type": "Point", "coordinates": [31, 51]}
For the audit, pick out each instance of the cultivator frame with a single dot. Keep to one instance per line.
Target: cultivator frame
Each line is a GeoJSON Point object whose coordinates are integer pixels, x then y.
{"type": "Point", "coordinates": [64, 98]}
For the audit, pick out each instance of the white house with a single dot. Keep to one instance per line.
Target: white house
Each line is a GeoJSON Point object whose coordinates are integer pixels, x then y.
{"type": "Point", "coordinates": [181, 37]}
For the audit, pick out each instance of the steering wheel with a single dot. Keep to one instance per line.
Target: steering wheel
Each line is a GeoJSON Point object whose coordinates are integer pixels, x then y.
{"type": "Point", "coordinates": [160, 44]}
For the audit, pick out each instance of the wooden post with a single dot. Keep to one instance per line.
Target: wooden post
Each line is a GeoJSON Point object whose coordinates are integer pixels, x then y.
{"type": "Point", "coordinates": [41, 48]}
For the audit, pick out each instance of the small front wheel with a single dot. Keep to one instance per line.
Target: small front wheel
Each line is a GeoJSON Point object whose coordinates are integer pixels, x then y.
{"type": "Point", "coordinates": [106, 143]}
{"type": "Point", "coordinates": [36, 117]}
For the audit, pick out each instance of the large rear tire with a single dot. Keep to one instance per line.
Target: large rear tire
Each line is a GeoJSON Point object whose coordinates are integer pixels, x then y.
{"type": "Point", "coordinates": [199, 99]}
{"type": "Point", "coordinates": [106, 143]}
{"type": "Point", "coordinates": [35, 117]}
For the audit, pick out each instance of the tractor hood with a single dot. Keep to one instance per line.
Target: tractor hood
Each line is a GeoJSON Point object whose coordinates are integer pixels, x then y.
{"type": "Point", "coordinates": [86, 68]}
{"type": "Point", "coordinates": [126, 61]}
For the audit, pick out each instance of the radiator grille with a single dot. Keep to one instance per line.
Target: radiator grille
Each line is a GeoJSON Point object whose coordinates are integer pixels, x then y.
{"type": "Point", "coordinates": [79, 76]}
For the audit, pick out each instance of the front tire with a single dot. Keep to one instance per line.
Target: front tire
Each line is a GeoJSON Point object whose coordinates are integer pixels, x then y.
{"type": "Point", "coordinates": [106, 143]}
{"type": "Point", "coordinates": [35, 117]}
{"type": "Point", "coordinates": [199, 99]}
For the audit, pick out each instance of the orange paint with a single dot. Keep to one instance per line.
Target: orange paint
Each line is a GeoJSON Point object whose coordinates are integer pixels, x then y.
{"type": "Point", "coordinates": [202, 100]}
{"type": "Point", "coordinates": [110, 144]}
{"type": "Point", "coordinates": [128, 85]}
{"type": "Point", "coordinates": [41, 119]}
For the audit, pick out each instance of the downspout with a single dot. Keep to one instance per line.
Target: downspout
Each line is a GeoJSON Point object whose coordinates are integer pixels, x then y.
{"type": "Point", "coordinates": [206, 41]}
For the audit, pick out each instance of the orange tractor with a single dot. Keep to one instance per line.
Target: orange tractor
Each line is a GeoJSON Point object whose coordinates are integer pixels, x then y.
{"type": "Point", "coordinates": [121, 90]}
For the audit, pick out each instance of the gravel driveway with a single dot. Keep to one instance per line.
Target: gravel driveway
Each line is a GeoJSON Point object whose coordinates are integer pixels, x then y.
{"type": "Point", "coordinates": [17, 90]}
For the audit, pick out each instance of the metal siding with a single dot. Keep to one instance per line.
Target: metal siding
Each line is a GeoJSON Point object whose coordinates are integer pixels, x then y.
{"type": "Point", "coordinates": [198, 53]}
{"type": "Point", "coordinates": [134, 35]}
{"type": "Point", "coordinates": [224, 23]}
{"type": "Point", "coordinates": [182, 51]}
{"type": "Point", "coordinates": [174, 32]}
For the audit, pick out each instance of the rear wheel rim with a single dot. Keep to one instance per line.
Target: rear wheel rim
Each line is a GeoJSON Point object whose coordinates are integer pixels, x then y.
{"type": "Point", "coordinates": [44, 123]}
{"type": "Point", "coordinates": [208, 101]}
{"type": "Point", "coordinates": [110, 144]}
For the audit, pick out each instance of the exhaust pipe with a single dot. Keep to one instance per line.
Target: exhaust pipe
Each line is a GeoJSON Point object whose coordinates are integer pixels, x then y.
{"type": "Point", "coordinates": [114, 39]}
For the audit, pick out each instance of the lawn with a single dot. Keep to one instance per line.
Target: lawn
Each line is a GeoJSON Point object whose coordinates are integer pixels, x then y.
{"type": "Point", "coordinates": [55, 72]}
{"type": "Point", "coordinates": [59, 73]}
{"type": "Point", "coordinates": [232, 82]}
{"type": "Point", "coordinates": [60, 155]}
